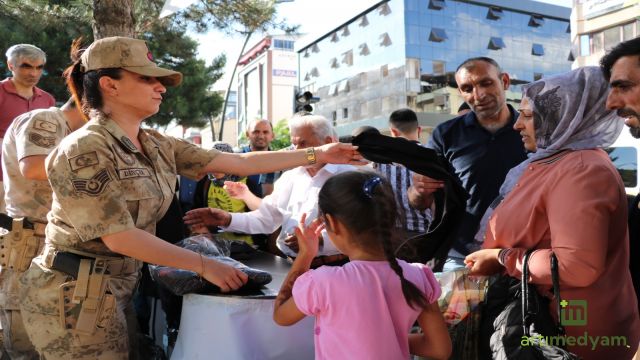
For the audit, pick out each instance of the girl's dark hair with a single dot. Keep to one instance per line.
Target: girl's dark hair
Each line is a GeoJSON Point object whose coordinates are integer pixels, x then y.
{"type": "Point", "coordinates": [371, 214]}
{"type": "Point", "coordinates": [84, 86]}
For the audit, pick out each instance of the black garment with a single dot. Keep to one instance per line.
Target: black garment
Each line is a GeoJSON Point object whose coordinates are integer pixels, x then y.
{"type": "Point", "coordinates": [480, 160]}
{"type": "Point", "coordinates": [450, 203]}
{"type": "Point", "coordinates": [634, 245]}
{"type": "Point", "coordinates": [171, 229]}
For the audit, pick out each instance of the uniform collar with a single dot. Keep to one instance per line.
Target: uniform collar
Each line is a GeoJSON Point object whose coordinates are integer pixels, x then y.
{"type": "Point", "coordinates": [149, 144]}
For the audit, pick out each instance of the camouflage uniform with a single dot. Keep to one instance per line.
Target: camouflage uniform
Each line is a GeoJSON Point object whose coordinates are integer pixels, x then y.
{"type": "Point", "coordinates": [101, 185]}
{"type": "Point", "coordinates": [35, 133]}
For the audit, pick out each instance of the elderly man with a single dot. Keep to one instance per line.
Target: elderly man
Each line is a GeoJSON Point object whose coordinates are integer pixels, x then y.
{"type": "Point", "coordinates": [19, 93]}
{"type": "Point", "coordinates": [295, 193]}
{"type": "Point", "coordinates": [480, 146]}
{"type": "Point", "coordinates": [260, 134]}
{"type": "Point", "coordinates": [621, 67]}
{"type": "Point", "coordinates": [28, 141]}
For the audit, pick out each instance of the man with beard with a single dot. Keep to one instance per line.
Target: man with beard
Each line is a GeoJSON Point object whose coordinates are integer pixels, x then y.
{"type": "Point", "coordinates": [480, 146]}
{"type": "Point", "coordinates": [621, 67]}
{"type": "Point", "coordinates": [19, 94]}
{"type": "Point", "coordinates": [260, 134]}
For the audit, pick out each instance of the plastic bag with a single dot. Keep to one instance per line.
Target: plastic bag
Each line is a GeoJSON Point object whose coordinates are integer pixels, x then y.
{"type": "Point", "coordinates": [181, 282]}
{"type": "Point", "coordinates": [461, 302]}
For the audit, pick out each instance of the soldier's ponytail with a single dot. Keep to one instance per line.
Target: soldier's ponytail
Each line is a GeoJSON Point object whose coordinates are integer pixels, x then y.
{"type": "Point", "coordinates": [84, 85]}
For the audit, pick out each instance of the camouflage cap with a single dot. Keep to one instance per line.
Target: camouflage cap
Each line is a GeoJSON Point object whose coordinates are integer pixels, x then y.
{"type": "Point", "coordinates": [129, 54]}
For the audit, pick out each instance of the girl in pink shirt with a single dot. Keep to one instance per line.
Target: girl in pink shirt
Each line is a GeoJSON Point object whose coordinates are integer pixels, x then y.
{"type": "Point", "coordinates": [365, 308]}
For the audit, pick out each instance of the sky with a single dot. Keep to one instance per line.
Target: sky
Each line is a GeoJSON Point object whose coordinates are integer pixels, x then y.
{"type": "Point", "coordinates": [316, 18]}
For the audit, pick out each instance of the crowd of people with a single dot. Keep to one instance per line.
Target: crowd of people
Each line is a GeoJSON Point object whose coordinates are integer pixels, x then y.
{"type": "Point", "coordinates": [87, 191]}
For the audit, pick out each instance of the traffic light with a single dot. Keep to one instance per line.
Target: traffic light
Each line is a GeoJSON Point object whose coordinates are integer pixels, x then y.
{"type": "Point", "coordinates": [303, 101]}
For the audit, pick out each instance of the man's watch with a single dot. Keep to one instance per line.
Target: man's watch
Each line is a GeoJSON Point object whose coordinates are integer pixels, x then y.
{"type": "Point", "coordinates": [311, 155]}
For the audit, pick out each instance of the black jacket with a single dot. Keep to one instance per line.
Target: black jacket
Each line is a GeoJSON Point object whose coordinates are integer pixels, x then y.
{"type": "Point", "coordinates": [450, 203]}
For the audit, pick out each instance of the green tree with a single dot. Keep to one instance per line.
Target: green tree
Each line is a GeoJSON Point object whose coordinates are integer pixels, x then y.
{"type": "Point", "coordinates": [190, 105]}
{"type": "Point", "coordinates": [281, 136]}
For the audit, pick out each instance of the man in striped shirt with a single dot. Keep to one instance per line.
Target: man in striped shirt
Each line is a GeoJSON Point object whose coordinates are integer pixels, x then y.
{"type": "Point", "coordinates": [404, 123]}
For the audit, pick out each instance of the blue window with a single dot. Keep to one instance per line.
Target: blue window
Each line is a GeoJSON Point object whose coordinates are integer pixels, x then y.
{"type": "Point", "coordinates": [585, 48]}
{"type": "Point", "coordinates": [283, 44]}
{"type": "Point", "coordinates": [537, 50]}
{"type": "Point", "coordinates": [436, 4]}
{"type": "Point", "coordinates": [437, 35]}
{"type": "Point", "coordinates": [495, 13]}
{"type": "Point", "coordinates": [496, 43]}
{"type": "Point", "coordinates": [536, 21]}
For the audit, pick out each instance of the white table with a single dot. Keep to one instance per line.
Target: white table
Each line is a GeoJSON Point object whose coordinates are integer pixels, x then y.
{"type": "Point", "coordinates": [235, 327]}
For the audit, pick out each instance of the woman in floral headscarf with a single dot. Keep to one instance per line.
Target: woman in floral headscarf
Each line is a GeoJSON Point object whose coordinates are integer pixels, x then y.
{"type": "Point", "coordinates": [568, 198]}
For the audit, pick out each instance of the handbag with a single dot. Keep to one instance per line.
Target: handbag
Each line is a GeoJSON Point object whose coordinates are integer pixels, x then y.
{"type": "Point", "coordinates": [516, 321]}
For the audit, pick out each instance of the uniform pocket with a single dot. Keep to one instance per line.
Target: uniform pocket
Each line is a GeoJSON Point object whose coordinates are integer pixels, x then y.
{"type": "Point", "coordinates": [39, 289]}
{"type": "Point", "coordinates": [142, 202]}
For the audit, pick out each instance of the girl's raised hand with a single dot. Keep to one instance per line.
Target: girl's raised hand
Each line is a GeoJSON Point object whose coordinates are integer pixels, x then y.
{"type": "Point", "coordinates": [236, 190]}
{"type": "Point", "coordinates": [308, 236]}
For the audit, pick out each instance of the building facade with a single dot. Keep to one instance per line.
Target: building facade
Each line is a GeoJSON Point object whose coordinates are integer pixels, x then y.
{"type": "Point", "coordinates": [404, 53]}
{"type": "Point", "coordinates": [267, 74]}
{"type": "Point", "coordinates": [598, 25]}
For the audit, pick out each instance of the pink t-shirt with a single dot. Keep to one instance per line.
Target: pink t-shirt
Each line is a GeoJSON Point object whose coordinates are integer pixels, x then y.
{"type": "Point", "coordinates": [360, 310]}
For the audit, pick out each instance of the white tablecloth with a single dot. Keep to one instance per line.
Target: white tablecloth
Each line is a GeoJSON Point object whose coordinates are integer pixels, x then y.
{"type": "Point", "coordinates": [215, 327]}
{"type": "Point", "coordinates": [230, 327]}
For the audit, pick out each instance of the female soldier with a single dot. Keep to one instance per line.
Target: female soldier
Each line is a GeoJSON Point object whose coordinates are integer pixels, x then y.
{"type": "Point", "coordinates": [111, 182]}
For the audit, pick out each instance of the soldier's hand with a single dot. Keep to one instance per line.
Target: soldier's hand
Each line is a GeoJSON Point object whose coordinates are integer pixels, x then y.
{"type": "Point", "coordinates": [207, 217]}
{"type": "Point", "coordinates": [226, 277]}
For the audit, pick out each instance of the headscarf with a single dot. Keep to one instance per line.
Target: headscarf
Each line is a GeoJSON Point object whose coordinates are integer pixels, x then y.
{"type": "Point", "coordinates": [569, 113]}
{"type": "Point", "coordinates": [223, 147]}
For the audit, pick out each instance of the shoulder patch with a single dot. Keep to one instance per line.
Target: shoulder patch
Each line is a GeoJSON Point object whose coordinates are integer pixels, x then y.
{"type": "Point", "coordinates": [127, 158]}
{"type": "Point", "coordinates": [133, 173]}
{"type": "Point", "coordinates": [45, 126]}
{"type": "Point", "coordinates": [94, 186]}
{"type": "Point", "coordinates": [83, 160]}
{"type": "Point", "coordinates": [127, 142]}
{"type": "Point", "coordinates": [42, 141]}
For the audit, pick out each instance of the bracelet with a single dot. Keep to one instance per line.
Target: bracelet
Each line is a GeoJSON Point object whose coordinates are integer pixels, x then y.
{"type": "Point", "coordinates": [502, 256]}
{"type": "Point", "coordinates": [201, 265]}
{"type": "Point", "coordinates": [311, 155]}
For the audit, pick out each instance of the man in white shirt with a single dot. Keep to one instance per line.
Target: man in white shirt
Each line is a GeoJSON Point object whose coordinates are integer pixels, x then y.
{"type": "Point", "coordinates": [294, 193]}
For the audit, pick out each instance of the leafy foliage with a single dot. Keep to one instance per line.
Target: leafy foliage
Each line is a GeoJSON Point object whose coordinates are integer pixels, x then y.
{"type": "Point", "coordinates": [281, 136]}
{"type": "Point", "coordinates": [54, 40]}
{"type": "Point", "coordinates": [244, 16]}
{"type": "Point", "coordinates": [191, 104]}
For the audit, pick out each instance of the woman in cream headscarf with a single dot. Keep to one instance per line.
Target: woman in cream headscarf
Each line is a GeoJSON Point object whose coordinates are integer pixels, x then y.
{"type": "Point", "coordinates": [568, 198]}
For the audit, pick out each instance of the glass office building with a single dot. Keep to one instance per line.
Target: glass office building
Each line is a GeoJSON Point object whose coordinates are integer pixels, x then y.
{"type": "Point", "coordinates": [403, 53]}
